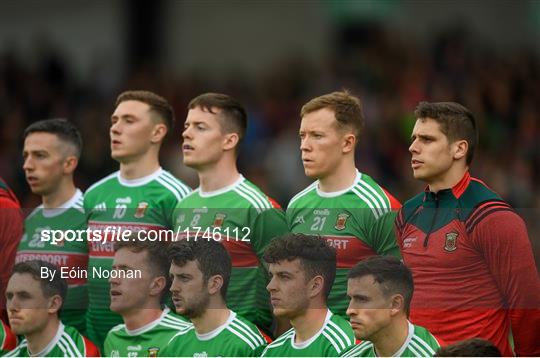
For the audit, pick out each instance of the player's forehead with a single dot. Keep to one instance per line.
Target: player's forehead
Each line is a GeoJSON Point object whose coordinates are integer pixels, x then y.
{"type": "Point", "coordinates": [293, 267]}
{"type": "Point", "coordinates": [365, 285]}
{"type": "Point", "coordinates": [23, 282]}
{"type": "Point", "coordinates": [188, 268]}
{"type": "Point", "coordinates": [203, 114]}
{"type": "Point", "coordinates": [426, 127]}
{"type": "Point", "coordinates": [43, 141]}
{"type": "Point", "coordinates": [129, 257]}
{"type": "Point", "coordinates": [321, 119]}
{"type": "Point", "coordinates": [132, 108]}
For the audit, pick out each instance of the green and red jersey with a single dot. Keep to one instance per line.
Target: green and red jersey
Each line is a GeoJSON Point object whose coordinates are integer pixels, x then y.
{"type": "Point", "coordinates": [8, 340]}
{"type": "Point", "coordinates": [357, 222]}
{"type": "Point", "coordinates": [67, 254]}
{"type": "Point", "coordinates": [67, 342]}
{"type": "Point", "coordinates": [335, 337]}
{"type": "Point", "coordinates": [473, 268]}
{"type": "Point", "coordinates": [147, 341]}
{"type": "Point", "coordinates": [244, 219]}
{"type": "Point", "coordinates": [113, 205]}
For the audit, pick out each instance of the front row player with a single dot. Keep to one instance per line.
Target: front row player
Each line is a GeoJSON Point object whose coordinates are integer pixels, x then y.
{"type": "Point", "coordinates": [380, 289]}
{"type": "Point", "coordinates": [33, 305]}
{"type": "Point", "coordinates": [200, 272]}
{"type": "Point", "coordinates": [137, 294]}
{"type": "Point", "coordinates": [302, 269]}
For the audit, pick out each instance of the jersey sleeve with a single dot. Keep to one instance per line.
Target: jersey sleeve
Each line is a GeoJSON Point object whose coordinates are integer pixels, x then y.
{"type": "Point", "coordinates": [383, 235]}
{"type": "Point", "coordinates": [267, 225]}
{"type": "Point", "coordinates": [11, 231]}
{"type": "Point", "coordinates": [501, 236]}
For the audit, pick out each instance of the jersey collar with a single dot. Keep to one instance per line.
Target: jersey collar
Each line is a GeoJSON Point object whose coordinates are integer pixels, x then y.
{"type": "Point", "coordinates": [148, 326]}
{"type": "Point", "coordinates": [332, 194]}
{"type": "Point", "coordinates": [306, 344]}
{"type": "Point", "coordinates": [455, 192]}
{"type": "Point", "coordinates": [207, 194]}
{"type": "Point", "coordinates": [51, 344]}
{"type": "Point", "coordinates": [212, 334]}
{"type": "Point", "coordinates": [139, 181]}
{"type": "Point", "coordinates": [52, 212]}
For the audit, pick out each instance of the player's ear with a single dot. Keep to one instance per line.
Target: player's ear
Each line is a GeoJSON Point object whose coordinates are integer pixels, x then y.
{"type": "Point", "coordinates": [70, 164]}
{"type": "Point", "coordinates": [230, 141]}
{"type": "Point", "coordinates": [397, 304]}
{"type": "Point", "coordinates": [316, 286]}
{"type": "Point", "coordinates": [214, 284]}
{"type": "Point", "coordinates": [460, 148]}
{"type": "Point", "coordinates": [55, 303]}
{"type": "Point", "coordinates": [158, 133]}
{"type": "Point", "coordinates": [349, 142]}
{"type": "Point", "coordinates": [157, 285]}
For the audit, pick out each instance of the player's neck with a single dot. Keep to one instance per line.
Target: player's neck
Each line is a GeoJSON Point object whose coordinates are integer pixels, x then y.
{"type": "Point", "coordinates": [211, 319]}
{"type": "Point", "coordinates": [389, 340]}
{"type": "Point", "coordinates": [39, 340]}
{"type": "Point", "coordinates": [65, 191]}
{"type": "Point", "coordinates": [139, 169]}
{"type": "Point", "coordinates": [449, 179]}
{"type": "Point", "coordinates": [308, 324]}
{"type": "Point", "coordinates": [218, 176]}
{"type": "Point", "coordinates": [141, 317]}
{"type": "Point", "coordinates": [340, 179]}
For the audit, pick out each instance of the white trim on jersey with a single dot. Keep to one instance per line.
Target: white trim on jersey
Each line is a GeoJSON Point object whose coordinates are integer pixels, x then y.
{"type": "Point", "coordinates": [333, 194]}
{"type": "Point", "coordinates": [208, 194]}
{"type": "Point", "coordinates": [51, 344]}
{"type": "Point", "coordinates": [139, 181]}
{"type": "Point", "coordinates": [116, 174]}
{"type": "Point", "coordinates": [303, 192]}
{"type": "Point", "coordinates": [71, 203]}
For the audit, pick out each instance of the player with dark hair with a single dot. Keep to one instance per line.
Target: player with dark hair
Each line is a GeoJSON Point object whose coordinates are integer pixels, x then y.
{"type": "Point", "coordinates": [51, 153]}
{"type": "Point", "coordinates": [137, 294]}
{"type": "Point", "coordinates": [302, 270]}
{"type": "Point", "coordinates": [200, 272]}
{"type": "Point", "coordinates": [11, 229]}
{"type": "Point", "coordinates": [141, 196]}
{"type": "Point", "coordinates": [226, 206]}
{"type": "Point", "coordinates": [34, 301]}
{"type": "Point", "coordinates": [346, 207]}
{"type": "Point", "coordinates": [468, 250]}
{"type": "Point", "coordinates": [380, 289]}
{"type": "Point", "coordinates": [472, 347]}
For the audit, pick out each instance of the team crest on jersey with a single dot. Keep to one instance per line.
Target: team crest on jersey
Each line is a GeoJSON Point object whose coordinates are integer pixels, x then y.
{"type": "Point", "coordinates": [341, 221]}
{"type": "Point", "coordinates": [219, 219]}
{"type": "Point", "coordinates": [450, 243]}
{"type": "Point", "coordinates": [141, 209]}
{"type": "Point", "coordinates": [153, 351]}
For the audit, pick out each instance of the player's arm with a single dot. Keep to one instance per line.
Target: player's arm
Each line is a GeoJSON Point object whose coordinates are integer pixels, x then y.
{"type": "Point", "coordinates": [382, 235]}
{"type": "Point", "coordinates": [11, 231]}
{"type": "Point", "coordinates": [501, 235]}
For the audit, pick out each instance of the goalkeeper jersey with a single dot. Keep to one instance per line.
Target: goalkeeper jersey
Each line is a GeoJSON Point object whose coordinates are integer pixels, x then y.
{"type": "Point", "coordinates": [115, 204]}
{"type": "Point", "coordinates": [235, 338]}
{"type": "Point", "coordinates": [334, 338]}
{"type": "Point", "coordinates": [147, 341]}
{"type": "Point", "coordinates": [244, 219]}
{"type": "Point", "coordinates": [71, 253]}
{"type": "Point", "coordinates": [357, 222]}
{"type": "Point", "coordinates": [419, 343]}
{"type": "Point", "coordinates": [8, 340]}
{"type": "Point", "coordinates": [67, 342]}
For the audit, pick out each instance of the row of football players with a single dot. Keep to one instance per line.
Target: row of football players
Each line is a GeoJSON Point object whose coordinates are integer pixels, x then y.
{"type": "Point", "coordinates": [346, 207]}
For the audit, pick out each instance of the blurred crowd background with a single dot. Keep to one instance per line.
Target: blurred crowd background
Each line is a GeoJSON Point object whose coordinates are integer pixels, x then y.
{"type": "Point", "coordinates": [72, 58]}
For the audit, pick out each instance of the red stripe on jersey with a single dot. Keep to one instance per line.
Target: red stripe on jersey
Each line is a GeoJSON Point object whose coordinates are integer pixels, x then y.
{"type": "Point", "coordinates": [65, 261]}
{"type": "Point", "coordinates": [349, 250]}
{"type": "Point", "coordinates": [10, 339]}
{"type": "Point", "coordinates": [394, 203]}
{"type": "Point", "coordinates": [461, 186]}
{"type": "Point", "coordinates": [274, 203]}
{"type": "Point", "coordinates": [90, 349]}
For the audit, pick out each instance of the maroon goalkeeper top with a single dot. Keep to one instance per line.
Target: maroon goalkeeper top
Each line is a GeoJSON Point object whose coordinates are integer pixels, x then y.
{"type": "Point", "coordinates": [473, 267]}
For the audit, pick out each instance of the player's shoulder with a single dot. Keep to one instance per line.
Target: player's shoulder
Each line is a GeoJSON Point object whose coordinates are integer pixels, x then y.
{"type": "Point", "coordinates": [118, 330]}
{"type": "Point", "coordinates": [79, 345]}
{"type": "Point", "coordinates": [111, 178]}
{"type": "Point", "coordinates": [246, 331]}
{"type": "Point", "coordinates": [34, 214]}
{"type": "Point", "coordinates": [177, 187]}
{"type": "Point", "coordinates": [281, 340]}
{"type": "Point", "coordinates": [19, 351]}
{"type": "Point", "coordinates": [423, 341]}
{"type": "Point", "coordinates": [359, 350]}
{"type": "Point", "coordinates": [182, 332]}
{"type": "Point", "coordinates": [303, 195]}
{"type": "Point", "coordinates": [173, 321]}
{"type": "Point", "coordinates": [253, 195]}
{"type": "Point", "coordinates": [338, 333]}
